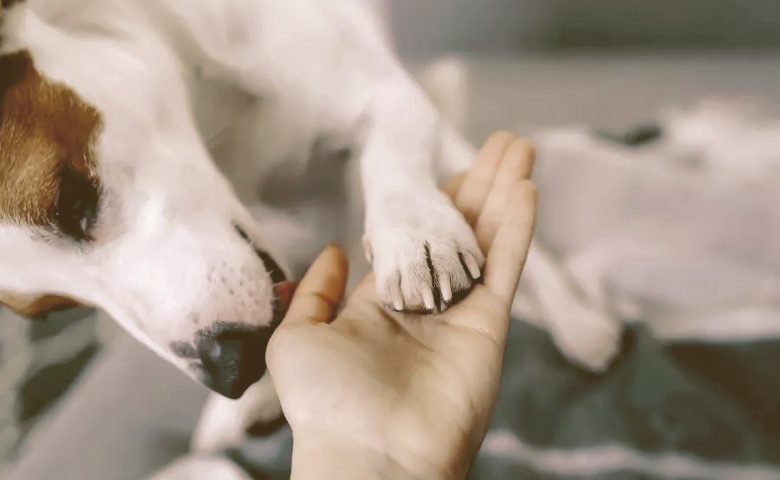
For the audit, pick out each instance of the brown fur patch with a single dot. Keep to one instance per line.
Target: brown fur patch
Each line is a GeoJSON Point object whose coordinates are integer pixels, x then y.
{"type": "Point", "coordinates": [44, 128]}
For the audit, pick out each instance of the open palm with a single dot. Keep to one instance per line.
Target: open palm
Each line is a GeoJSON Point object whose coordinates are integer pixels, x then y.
{"type": "Point", "coordinates": [419, 389]}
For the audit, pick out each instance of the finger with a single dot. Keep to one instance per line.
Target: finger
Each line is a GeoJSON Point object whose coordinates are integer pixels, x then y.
{"type": "Point", "coordinates": [479, 179]}
{"type": "Point", "coordinates": [452, 186]}
{"type": "Point", "coordinates": [320, 291]}
{"type": "Point", "coordinates": [515, 167]}
{"type": "Point", "coordinates": [506, 257]}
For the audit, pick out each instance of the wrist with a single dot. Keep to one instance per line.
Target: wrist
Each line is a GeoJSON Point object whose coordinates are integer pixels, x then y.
{"type": "Point", "coordinates": [318, 456]}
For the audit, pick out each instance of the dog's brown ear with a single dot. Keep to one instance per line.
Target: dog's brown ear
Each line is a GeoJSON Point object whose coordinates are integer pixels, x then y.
{"type": "Point", "coordinates": [35, 306]}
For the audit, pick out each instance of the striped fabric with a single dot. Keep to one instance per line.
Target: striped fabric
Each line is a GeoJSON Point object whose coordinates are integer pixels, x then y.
{"type": "Point", "coordinates": [39, 361]}
{"type": "Point", "coordinates": [664, 411]}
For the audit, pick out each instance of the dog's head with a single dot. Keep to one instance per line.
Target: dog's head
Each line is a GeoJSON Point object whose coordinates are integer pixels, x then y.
{"type": "Point", "coordinates": [108, 197]}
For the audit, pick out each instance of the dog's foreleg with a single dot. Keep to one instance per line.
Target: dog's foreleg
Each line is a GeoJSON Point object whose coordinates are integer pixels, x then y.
{"type": "Point", "coordinates": [196, 467]}
{"type": "Point", "coordinates": [456, 153]}
{"type": "Point", "coordinates": [225, 423]}
{"type": "Point", "coordinates": [446, 81]}
{"type": "Point", "coordinates": [422, 249]}
{"type": "Point", "coordinates": [581, 328]}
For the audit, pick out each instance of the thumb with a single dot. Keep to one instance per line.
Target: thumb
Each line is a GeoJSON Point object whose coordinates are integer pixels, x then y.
{"type": "Point", "coordinates": [321, 290]}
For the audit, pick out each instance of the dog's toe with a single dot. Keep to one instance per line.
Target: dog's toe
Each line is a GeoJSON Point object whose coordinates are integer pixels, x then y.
{"type": "Point", "coordinates": [426, 271]}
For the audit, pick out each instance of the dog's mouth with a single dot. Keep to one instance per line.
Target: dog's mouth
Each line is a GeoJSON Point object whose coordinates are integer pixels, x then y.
{"type": "Point", "coordinates": [283, 295]}
{"type": "Point", "coordinates": [283, 288]}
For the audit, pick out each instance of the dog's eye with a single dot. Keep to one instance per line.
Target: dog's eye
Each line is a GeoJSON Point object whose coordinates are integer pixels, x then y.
{"type": "Point", "coordinates": [76, 208]}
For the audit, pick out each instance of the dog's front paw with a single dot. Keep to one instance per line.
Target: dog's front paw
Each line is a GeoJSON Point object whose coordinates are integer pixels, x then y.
{"type": "Point", "coordinates": [225, 423]}
{"type": "Point", "coordinates": [425, 256]}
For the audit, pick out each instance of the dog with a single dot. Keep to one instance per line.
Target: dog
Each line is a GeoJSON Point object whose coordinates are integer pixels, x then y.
{"type": "Point", "coordinates": [152, 155]}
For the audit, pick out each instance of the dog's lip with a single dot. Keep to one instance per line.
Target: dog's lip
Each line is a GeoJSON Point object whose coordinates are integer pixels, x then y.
{"type": "Point", "coordinates": [274, 270]}
{"type": "Point", "coordinates": [284, 291]}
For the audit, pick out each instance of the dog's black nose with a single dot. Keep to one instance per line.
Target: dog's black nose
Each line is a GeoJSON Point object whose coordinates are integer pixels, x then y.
{"type": "Point", "coordinates": [232, 359]}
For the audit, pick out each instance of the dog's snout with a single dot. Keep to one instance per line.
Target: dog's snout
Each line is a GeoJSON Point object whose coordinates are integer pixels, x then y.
{"type": "Point", "coordinates": [233, 359]}
{"type": "Point", "coordinates": [230, 356]}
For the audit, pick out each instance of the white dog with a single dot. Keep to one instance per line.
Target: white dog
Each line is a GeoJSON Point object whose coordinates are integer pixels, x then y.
{"type": "Point", "coordinates": [152, 151]}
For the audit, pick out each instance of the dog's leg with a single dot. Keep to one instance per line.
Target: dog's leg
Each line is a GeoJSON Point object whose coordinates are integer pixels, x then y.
{"type": "Point", "coordinates": [581, 328]}
{"type": "Point", "coordinates": [225, 423]}
{"type": "Point", "coordinates": [195, 467]}
{"type": "Point", "coordinates": [423, 251]}
{"type": "Point", "coordinates": [445, 82]}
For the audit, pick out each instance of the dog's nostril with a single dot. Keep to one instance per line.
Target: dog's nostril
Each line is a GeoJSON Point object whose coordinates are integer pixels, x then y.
{"type": "Point", "coordinates": [233, 360]}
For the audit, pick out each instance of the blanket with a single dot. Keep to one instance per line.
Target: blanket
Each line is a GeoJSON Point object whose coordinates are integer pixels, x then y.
{"type": "Point", "coordinates": [665, 411]}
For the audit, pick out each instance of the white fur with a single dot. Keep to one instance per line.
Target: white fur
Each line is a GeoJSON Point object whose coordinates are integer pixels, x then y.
{"type": "Point", "coordinates": [201, 467]}
{"type": "Point", "coordinates": [681, 233]}
{"type": "Point", "coordinates": [196, 92]}
{"type": "Point", "coordinates": [224, 422]}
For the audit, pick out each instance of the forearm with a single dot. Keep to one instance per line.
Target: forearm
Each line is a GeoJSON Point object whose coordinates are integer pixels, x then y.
{"type": "Point", "coordinates": [323, 459]}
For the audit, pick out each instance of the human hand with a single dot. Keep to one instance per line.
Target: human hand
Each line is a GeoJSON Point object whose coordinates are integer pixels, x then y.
{"type": "Point", "coordinates": [409, 393]}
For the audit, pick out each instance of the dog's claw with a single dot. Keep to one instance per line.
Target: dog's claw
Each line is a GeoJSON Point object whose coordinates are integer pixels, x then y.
{"type": "Point", "coordinates": [427, 296]}
{"type": "Point", "coordinates": [472, 265]}
{"type": "Point", "coordinates": [397, 297]}
{"type": "Point", "coordinates": [446, 289]}
{"type": "Point", "coordinates": [423, 265]}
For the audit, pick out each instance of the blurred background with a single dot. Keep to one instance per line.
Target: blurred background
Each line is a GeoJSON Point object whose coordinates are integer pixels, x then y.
{"type": "Point", "coordinates": [582, 55]}
{"type": "Point", "coordinates": [511, 26]}
{"type": "Point", "coordinates": [669, 408]}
